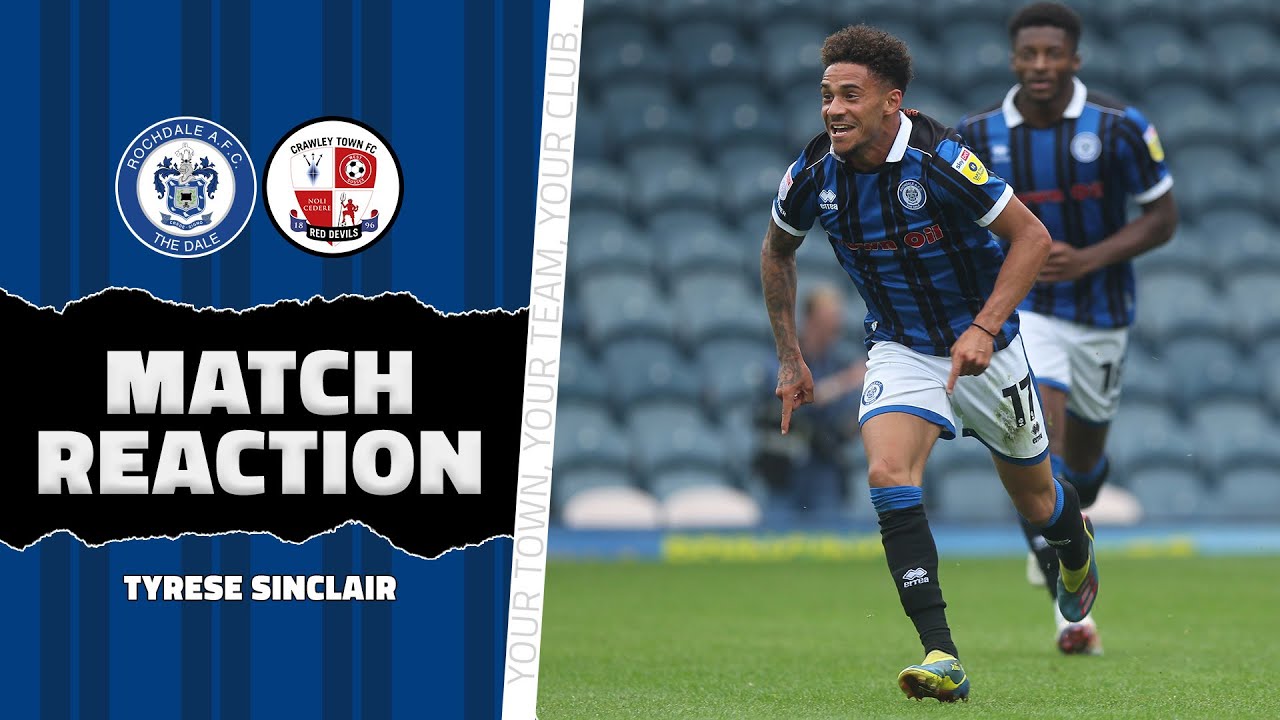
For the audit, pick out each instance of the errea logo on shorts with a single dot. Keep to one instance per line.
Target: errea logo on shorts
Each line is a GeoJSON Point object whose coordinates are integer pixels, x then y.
{"type": "Point", "coordinates": [828, 200]}
{"type": "Point", "coordinates": [915, 576]}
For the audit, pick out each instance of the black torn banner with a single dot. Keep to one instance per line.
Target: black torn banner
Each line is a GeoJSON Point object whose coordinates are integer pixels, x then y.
{"type": "Point", "coordinates": [137, 417]}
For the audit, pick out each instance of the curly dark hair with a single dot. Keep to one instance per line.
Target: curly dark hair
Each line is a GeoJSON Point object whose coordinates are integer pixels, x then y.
{"type": "Point", "coordinates": [884, 55]}
{"type": "Point", "coordinates": [1047, 14]}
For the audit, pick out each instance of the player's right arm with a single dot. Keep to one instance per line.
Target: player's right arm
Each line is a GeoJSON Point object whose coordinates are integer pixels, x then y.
{"type": "Point", "coordinates": [793, 215]}
{"type": "Point", "coordinates": [778, 278]}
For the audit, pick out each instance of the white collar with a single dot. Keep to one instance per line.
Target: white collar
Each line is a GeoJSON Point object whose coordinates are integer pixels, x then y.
{"type": "Point", "coordinates": [899, 148]}
{"type": "Point", "coordinates": [1013, 118]}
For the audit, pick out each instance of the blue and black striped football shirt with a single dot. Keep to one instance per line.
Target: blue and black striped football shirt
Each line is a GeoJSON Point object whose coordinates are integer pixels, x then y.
{"type": "Point", "coordinates": [1077, 176]}
{"type": "Point", "coordinates": [911, 234]}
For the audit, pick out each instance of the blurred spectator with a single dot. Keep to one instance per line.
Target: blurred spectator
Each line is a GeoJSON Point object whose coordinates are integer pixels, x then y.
{"type": "Point", "coordinates": [807, 470]}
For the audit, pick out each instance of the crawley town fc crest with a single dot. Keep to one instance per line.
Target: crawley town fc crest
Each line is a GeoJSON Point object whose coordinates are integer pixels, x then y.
{"type": "Point", "coordinates": [332, 186]}
{"type": "Point", "coordinates": [186, 187]}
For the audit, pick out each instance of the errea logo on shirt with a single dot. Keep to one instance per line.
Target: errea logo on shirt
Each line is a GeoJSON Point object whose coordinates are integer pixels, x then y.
{"type": "Point", "coordinates": [828, 200]}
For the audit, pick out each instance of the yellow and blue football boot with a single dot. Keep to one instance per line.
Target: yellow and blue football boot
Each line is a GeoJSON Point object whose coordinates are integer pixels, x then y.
{"type": "Point", "coordinates": [1077, 590]}
{"type": "Point", "coordinates": [939, 676]}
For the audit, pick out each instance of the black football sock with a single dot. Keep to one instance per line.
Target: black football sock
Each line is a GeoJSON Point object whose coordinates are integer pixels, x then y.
{"type": "Point", "coordinates": [913, 562]}
{"type": "Point", "coordinates": [1065, 529]}
{"type": "Point", "coordinates": [1088, 484]}
{"type": "Point", "coordinates": [1045, 555]}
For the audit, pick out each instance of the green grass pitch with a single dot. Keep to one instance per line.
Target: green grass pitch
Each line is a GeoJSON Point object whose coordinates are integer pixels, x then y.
{"type": "Point", "coordinates": [1184, 638]}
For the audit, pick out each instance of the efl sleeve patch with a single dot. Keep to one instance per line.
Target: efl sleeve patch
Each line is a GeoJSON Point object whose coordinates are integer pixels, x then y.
{"type": "Point", "coordinates": [785, 185]}
{"type": "Point", "coordinates": [971, 167]}
{"type": "Point", "coordinates": [1153, 143]}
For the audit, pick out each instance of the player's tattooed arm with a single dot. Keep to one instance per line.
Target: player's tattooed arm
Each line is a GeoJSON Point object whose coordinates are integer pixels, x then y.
{"type": "Point", "coordinates": [778, 277]}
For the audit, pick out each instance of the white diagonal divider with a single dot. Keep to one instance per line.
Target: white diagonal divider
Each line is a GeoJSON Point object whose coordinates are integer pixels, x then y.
{"type": "Point", "coordinates": [542, 361]}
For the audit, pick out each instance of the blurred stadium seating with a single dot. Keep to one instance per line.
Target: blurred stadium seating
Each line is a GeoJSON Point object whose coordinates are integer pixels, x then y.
{"type": "Point", "coordinates": [690, 110]}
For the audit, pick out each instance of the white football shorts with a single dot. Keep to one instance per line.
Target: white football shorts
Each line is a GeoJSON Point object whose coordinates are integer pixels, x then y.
{"type": "Point", "coordinates": [1080, 360]}
{"type": "Point", "coordinates": [1000, 407]}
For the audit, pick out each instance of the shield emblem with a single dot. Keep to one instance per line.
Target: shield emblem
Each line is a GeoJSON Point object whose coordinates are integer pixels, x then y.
{"type": "Point", "coordinates": [186, 199]}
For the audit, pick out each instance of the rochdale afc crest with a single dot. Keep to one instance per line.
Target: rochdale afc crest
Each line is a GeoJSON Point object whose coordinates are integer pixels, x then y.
{"type": "Point", "coordinates": [872, 393]}
{"type": "Point", "coordinates": [911, 194]}
{"type": "Point", "coordinates": [332, 186]}
{"type": "Point", "coordinates": [1086, 147]}
{"type": "Point", "coordinates": [186, 187]}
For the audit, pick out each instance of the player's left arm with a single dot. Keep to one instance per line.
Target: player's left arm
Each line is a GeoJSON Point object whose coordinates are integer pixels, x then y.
{"type": "Point", "coordinates": [1029, 243]}
{"type": "Point", "coordinates": [1028, 247]}
{"type": "Point", "coordinates": [966, 184]}
{"type": "Point", "coordinates": [1147, 179]}
{"type": "Point", "coordinates": [1149, 230]}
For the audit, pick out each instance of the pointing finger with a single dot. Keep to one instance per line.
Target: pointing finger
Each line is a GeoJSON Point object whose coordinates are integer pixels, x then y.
{"type": "Point", "coordinates": [955, 373]}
